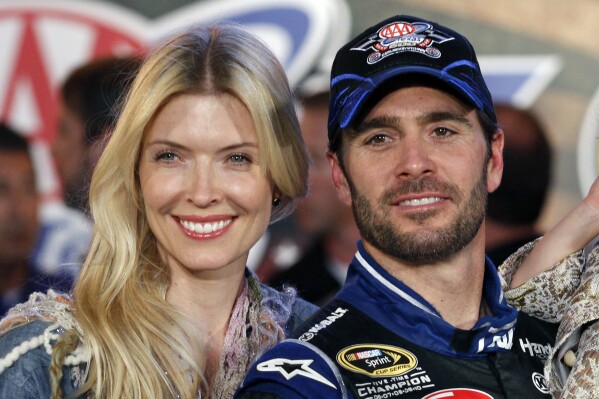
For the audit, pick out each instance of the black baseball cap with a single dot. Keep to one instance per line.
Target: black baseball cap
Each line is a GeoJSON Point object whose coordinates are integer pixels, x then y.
{"type": "Point", "coordinates": [397, 46]}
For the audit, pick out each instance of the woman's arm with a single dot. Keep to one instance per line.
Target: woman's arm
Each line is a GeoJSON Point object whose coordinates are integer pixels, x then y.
{"type": "Point", "coordinates": [569, 235]}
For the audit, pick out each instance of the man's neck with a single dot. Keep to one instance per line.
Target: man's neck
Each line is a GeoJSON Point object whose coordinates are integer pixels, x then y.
{"type": "Point", "coordinates": [453, 286]}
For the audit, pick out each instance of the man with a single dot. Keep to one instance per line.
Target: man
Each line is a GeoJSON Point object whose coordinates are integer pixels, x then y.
{"type": "Point", "coordinates": [414, 149]}
{"type": "Point", "coordinates": [90, 96]}
{"type": "Point", "coordinates": [88, 112]}
{"type": "Point", "coordinates": [19, 224]}
{"type": "Point", "coordinates": [515, 207]}
{"type": "Point", "coordinates": [321, 270]}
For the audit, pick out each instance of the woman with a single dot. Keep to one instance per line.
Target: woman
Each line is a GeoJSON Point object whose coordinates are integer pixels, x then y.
{"type": "Point", "coordinates": [206, 153]}
{"type": "Point", "coordinates": [553, 280]}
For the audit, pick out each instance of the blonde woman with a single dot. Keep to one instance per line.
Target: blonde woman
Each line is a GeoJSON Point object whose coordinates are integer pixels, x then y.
{"type": "Point", "coordinates": [207, 152]}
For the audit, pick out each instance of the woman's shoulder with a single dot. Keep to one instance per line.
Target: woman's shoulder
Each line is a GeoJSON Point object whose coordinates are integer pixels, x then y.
{"type": "Point", "coordinates": [296, 310]}
{"type": "Point", "coordinates": [42, 316]}
{"type": "Point", "coordinates": [28, 334]}
{"type": "Point", "coordinates": [13, 336]}
{"type": "Point", "coordinates": [24, 360]}
{"type": "Point", "coordinates": [289, 295]}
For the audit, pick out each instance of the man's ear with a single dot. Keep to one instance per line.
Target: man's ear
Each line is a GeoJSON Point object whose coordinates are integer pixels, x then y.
{"type": "Point", "coordinates": [495, 165]}
{"type": "Point", "coordinates": [339, 179]}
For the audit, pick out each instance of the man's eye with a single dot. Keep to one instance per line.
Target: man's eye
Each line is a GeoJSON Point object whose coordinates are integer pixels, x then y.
{"type": "Point", "coordinates": [442, 132]}
{"type": "Point", "coordinates": [378, 139]}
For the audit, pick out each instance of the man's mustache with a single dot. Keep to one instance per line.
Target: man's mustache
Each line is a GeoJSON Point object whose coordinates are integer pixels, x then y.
{"type": "Point", "coordinates": [420, 185]}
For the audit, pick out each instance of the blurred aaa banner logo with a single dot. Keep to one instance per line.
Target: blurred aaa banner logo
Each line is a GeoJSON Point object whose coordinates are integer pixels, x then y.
{"type": "Point", "coordinates": [42, 41]}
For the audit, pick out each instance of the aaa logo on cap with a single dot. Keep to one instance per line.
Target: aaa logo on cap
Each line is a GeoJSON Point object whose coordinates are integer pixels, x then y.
{"type": "Point", "coordinates": [377, 360]}
{"type": "Point", "coordinates": [458, 393]}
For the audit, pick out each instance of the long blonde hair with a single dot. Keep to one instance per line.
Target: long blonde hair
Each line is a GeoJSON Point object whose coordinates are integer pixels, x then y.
{"type": "Point", "coordinates": [140, 346]}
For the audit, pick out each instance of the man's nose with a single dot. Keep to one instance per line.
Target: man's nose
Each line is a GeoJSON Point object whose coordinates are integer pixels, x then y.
{"type": "Point", "coordinates": [413, 158]}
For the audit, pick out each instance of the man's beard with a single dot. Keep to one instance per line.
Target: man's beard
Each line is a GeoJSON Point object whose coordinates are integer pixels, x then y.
{"type": "Point", "coordinates": [376, 225]}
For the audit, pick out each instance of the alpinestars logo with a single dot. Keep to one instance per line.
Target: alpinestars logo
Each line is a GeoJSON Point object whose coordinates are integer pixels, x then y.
{"type": "Point", "coordinates": [292, 368]}
{"type": "Point", "coordinates": [399, 37]}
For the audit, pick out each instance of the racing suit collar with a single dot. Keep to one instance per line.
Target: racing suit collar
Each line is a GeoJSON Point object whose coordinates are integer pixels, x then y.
{"type": "Point", "coordinates": [375, 291]}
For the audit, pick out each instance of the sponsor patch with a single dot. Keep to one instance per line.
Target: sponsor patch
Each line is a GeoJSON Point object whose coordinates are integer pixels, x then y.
{"type": "Point", "coordinates": [324, 323]}
{"type": "Point", "coordinates": [541, 351]}
{"type": "Point", "coordinates": [377, 360]}
{"type": "Point", "coordinates": [540, 382]}
{"type": "Point", "coordinates": [400, 37]}
{"type": "Point", "coordinates": [292, 368]}
{"type": "Point", "coordinates": [504, 341]}
{"type": "Point", "coordinates": [458, 393]}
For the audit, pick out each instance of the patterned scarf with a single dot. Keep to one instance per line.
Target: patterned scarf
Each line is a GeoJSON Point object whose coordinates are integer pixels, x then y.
{"type": "Point", "coordinates": [255, 326]}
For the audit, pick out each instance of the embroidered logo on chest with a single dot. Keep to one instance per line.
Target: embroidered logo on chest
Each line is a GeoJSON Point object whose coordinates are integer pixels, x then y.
{"type": "Point", "coordinates": [377, 360]}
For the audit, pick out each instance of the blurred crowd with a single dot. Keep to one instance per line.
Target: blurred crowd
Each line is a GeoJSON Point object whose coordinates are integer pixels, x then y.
{"type": "Point", "coordinates": [43, 245]}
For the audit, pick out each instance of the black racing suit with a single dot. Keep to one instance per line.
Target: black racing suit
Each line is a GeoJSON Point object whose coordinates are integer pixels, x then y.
{"type": "Point", "coordinates": [379, 339]}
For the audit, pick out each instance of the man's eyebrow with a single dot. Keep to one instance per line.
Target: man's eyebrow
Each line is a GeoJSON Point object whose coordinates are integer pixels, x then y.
{"type": "Point", "coordinates": [385, 121]}
{"type": "Point", "coordinates": [442, 116]}
{"type": "Point", "coordinates": [378, 122]}
{"type": "Point", "coordinates": [430, 117]}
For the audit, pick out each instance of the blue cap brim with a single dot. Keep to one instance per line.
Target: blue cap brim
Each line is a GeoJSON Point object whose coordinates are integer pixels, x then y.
{"type": "Point", "coordinates": [365, 87]}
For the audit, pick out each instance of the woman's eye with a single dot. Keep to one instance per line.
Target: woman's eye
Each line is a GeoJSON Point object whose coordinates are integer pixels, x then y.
{"type": "Point", "coordinates": [239, 158]}
{"type": "Point", "coordinates": [167, 156]}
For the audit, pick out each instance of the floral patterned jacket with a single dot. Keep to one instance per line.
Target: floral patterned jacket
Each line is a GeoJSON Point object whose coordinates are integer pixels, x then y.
{"type": "Point", "coordinates": [567, 293]}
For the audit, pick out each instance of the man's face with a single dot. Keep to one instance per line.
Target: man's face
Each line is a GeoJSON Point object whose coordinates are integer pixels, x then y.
{"type": "Point", "coordinates": [18, 207]}
{"type": "Point", "coordinates": [69, 151]}
{"type": "Point", "coordinates": [321, 209]}
{"type": "Point", "coordinates": [417, 175]}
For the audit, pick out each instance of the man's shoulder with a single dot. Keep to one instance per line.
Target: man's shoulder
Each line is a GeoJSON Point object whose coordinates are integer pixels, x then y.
{"type": "Point", "coordinates": [63, 241]}
{"type": "Point", "coordinates": [323, 319]}
{"type": "Point", "coordinates": [293, 369]}
{"type": "Point", "coordinates": [57, 213]}
{"type": "Point", "coordinates": [300, 368]}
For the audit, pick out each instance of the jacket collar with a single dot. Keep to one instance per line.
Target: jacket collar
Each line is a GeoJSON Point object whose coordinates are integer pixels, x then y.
{"type": "Point", "coordinates": [374, 291]}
